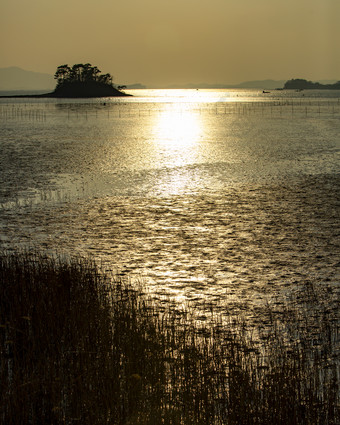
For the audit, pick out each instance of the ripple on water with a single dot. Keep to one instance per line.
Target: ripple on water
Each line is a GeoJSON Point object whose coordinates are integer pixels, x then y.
{"type": "Point", "coordinates": [238, 247]}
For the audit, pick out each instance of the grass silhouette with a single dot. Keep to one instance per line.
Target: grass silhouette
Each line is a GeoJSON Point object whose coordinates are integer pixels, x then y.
{"type": "Point", "coordinates": [80, 347]}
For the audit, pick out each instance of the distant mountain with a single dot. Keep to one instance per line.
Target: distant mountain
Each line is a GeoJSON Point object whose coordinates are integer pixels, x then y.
{"type": "Point", "coordinates": [135, 86]}
{"type": "Point", "coordinates": [14, 78]}
{"type": "Point", "coordinates": [257, 84]}
{"type": "Point", "coordinates": [260, 84]}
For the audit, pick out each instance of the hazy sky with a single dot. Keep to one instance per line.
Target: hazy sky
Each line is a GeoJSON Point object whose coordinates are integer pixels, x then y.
{"type": "Point", "coordinates": [175, 41]}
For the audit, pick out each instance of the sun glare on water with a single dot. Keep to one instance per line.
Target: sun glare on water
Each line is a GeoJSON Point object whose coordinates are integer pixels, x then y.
{"type": "Point", "coordinates": [177, 135]}
{"type": "Point", "coordinates": [177, 139]}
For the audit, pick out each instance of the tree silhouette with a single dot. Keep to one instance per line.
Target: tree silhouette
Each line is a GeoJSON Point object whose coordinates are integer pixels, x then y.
{"type": "Point", "coordinates": [81, 73]}
{"type": "Point", "coordinates": [62, 74]}
{"type": "Point", "coordinates": [84, 80]}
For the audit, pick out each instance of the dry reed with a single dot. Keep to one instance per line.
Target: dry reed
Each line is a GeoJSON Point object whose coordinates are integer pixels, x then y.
{"type": "Point", "coordinates": [78, 347]}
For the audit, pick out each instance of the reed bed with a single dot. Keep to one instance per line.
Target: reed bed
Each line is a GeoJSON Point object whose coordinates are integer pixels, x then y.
{"type": "Point", "coordinates": [78, 346]}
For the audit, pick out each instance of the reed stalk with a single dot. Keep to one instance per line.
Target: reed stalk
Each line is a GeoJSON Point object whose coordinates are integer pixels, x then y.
{"type": "Point", "coordinates": [79, 347]}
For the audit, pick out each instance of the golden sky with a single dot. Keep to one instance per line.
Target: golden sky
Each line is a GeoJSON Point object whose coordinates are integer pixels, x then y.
{"type": "Point", "coordinates": [163, 42]}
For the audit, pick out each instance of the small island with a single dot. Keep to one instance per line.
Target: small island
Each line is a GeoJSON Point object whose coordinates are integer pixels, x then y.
{"type": "Point", "coordinates": [81, 81]}
{"type": "Point", "coordinates": [301, 84]}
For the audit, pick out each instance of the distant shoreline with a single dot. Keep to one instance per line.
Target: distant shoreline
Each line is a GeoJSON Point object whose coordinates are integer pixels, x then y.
{"type": "Point", "coordinates": [14, 96]}
{"type": "Point", "coordinates": [301, 84]}
{"type": "Point", "coordinates": [55, 96]}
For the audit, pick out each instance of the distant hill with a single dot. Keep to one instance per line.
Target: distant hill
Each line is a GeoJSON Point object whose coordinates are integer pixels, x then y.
{"type": "Point", "coordinates": [257, 84]}
{"type": "Point", "coordinates": [14, 78]}
{"type": "Point", "coordinates": [260, 84]}
{"type": "Point", "coordinates": [135, 86]}
{"type": "Point", "coordinates": [301, 84]}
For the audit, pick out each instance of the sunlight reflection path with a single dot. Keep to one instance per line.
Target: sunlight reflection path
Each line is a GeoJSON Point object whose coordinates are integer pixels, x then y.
{"type": "Point", "coordinates": [177, 137]}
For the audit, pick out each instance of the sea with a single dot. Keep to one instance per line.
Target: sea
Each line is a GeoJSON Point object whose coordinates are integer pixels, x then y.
{"type": "Point", "coordinates": [223, 198]}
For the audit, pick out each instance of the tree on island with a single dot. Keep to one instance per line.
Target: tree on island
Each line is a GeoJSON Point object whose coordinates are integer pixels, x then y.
{"type": "Point", "coordinates": [84, 80]}
{"type": "Point", "coordinates": [80, 73]}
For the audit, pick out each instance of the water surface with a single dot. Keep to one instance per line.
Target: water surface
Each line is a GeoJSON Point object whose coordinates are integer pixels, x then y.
{"type": "Point", "coordinates": [215, 196]}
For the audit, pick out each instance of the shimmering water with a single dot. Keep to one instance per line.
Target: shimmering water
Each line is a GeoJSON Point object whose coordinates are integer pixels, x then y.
{"type": "Point", "coordinates": [226, 197]}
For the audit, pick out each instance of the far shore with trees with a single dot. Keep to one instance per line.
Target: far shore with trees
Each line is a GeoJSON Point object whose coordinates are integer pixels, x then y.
{"type": "Point", "coordinates": [301, 84]}
{"type": "Point", "coordinates": [81, 81]}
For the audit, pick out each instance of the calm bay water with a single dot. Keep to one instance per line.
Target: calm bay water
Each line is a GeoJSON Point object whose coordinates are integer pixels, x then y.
{"type": "Point", "coordinates": [215, 196]}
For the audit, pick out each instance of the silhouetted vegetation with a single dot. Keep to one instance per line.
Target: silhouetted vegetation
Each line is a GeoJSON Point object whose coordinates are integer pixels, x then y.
{"type": "Point", "coordinates": [84, 73]}
{"type": "Point", "coordinates": [301, 84]}
{"type": "Point", "coordinates": [84, 80]}
{"type": "Point", "coordinates": [78, 347]}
